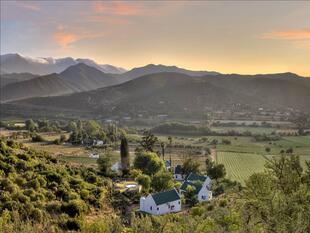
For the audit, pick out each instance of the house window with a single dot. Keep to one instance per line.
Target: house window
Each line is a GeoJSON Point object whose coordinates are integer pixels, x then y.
{"type": "Point", "coordinates": [157, 208]}
{"type": "Point", "coordinates": [151, 208]}
{"type": "Point", "coordinates": [172, 207]}
{"type": "Point", "coordinates": [179, 202]}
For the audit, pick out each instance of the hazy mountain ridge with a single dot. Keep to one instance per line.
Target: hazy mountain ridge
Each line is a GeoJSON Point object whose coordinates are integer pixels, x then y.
{"type": "Point", "coordinates": [15, 77]}
{"type": "Point", "coordinates": [84, 77]}
{"type": "Point", "coordinates": [179, 94]}
{"type": "Point", "coordinates": [152, 69]}
{"type": "Point", "coordinates": [16, 63]}
{"type": "Point", "coordinates": [49, 85]}
{"type": "Point", "coordinates": [76, 78]}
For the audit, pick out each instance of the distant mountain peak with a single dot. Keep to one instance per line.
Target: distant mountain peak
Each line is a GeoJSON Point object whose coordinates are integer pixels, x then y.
{"type": "Point", "coordinates": [16, 63]}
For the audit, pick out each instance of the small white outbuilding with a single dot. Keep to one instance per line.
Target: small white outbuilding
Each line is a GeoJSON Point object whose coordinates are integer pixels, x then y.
{"type": "Point", "coordinates": [161, 203]}
{"type": "Point", "coordinates": [202, 185]}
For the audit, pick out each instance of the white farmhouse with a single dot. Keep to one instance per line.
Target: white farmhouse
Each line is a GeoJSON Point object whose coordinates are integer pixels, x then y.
{"type": "Point", "coordinates": [178, 174]}
{"type": "Point", "coordinates": [161, 203]}
{"type": "Point", "coordinates": [98, 143]}
{"type": "Point", "coordinates": [202, 184]}
{"type": "Point", "coordinates": [94, 155]}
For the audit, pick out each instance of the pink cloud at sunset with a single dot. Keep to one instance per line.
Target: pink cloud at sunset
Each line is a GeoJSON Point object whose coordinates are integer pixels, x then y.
{"type": "Point", "coordinates": [298, 37]}
{"type": "Point", "coordinates": [64, 39]}
{"type": "Point", "coordinates": [117, 8]}
{"type": "Point", "coordinates": [295, 34]}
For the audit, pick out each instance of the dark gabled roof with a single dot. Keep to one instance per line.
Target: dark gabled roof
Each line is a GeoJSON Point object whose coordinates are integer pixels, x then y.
{"type": "Point", "coordinates": [166, 196]}
{"type": "Point", "coordinates": [178, 169]}
{"type": "Point", "coordinates": [195, 177]}
{"type": "Point", "coordinates": [197, 185]}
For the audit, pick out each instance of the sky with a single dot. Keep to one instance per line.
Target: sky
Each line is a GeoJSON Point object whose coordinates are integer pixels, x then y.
{"type": "Point", "coordinates": [224, 36]}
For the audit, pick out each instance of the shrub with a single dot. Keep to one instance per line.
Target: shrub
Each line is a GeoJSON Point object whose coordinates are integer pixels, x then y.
{"type": "Point", "coordinates": [35, 184]}
{"type": "Point", "coordinates": [74, 208]}
{"type": "Point", "coordinates": [197, 211]}
{"type": "Point", "coordinates": [36, 214]}
{"type": "Point", "coordinates": [54, 207]}
{"type": "Point", "coordinates": [223, 203]}
{"type": "Point", "coordinates": [72, 225]}
{"type": "Point", "coordinates": [38, 138]}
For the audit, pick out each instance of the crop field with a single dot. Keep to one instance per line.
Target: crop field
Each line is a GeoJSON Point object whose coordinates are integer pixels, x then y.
{"type": "Point", "coordinates": [239, 166]}
{"type": "Point", "coordinates": [254, 130]}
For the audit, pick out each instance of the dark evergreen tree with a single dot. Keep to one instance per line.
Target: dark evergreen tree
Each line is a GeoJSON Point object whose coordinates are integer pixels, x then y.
{"type": "Point", "coordinates": [125, 160]}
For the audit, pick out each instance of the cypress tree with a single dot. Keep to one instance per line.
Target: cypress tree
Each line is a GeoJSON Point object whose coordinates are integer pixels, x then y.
{"type": "Point", "coordinates": [125, 162]}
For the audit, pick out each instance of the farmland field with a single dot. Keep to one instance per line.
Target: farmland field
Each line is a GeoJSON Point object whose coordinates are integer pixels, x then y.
{"type": "Point", "coordinates": [239, 166]}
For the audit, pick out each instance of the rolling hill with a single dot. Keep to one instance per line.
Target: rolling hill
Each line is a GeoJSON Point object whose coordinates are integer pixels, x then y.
{"type": "Point", "coordinates": [176, 94]}
{"type": "Point", "coordinates": [49, 85]}
{"type": "Point", "coordinates": [76, 78]}
{"type": "Point", "coordinates": [84, 77]}
{"type": "Point", "coordinates": [15, 77]}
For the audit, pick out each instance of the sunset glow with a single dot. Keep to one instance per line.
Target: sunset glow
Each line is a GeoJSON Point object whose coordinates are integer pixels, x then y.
{"type": "Point", "coordinates": [228, 37]}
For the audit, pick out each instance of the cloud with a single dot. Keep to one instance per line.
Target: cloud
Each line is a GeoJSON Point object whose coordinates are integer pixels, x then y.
{"type": "Point", "coordinates": [118, 8]}
{"type": "Point", "coordinates": [297, 34]}
{"type": "Point", "coordinates": [28, 5]}
{"type": "Point", "coordinates": [299, 37]}
{"type": "Point", "coordinates": [64, 37]}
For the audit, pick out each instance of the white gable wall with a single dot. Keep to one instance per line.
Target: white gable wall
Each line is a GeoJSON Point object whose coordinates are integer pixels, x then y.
{"type": "Point", "coordinates": [170, 207]}
{"type": "Point", "coordinates": [204, 194]}
{"type": "Point", "coordinates": [147, 204]}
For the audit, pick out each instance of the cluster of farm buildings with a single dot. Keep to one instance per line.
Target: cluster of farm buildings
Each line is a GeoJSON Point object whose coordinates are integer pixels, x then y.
{"type": "Point", "coordinates": [170, 201]}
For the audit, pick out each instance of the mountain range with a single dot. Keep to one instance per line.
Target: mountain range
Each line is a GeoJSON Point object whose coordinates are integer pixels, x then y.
{"type": "Point", "coordinates": [149, 90]}
{"type": "Point", "coordinates": [178, 95]}
{"type": "Point", "coordinates": [75, 78]}
{"type": "Point", "coordinates": [16, 63]}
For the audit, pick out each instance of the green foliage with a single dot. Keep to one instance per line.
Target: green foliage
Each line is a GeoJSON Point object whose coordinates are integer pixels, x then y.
{"type": "Point", "coordinates": [74, 208]}
{"type": "Point", "coordinates": [191, 195]}
{"type": "Point", "coordinates": [217, 171]}
{"type": "Point", "coordinates": [190, 165]}
{"type": "Point", "coordinates": [36, 187]}
{"type": "Point", "coordinates": [178, 128]}
{"type": "Point", "coordinates": [85, 132]}
{"type": "Point", "coordinates": [144, 181]}
{"type": "Point", "coordinates": [162, 181]}
{"type": "Point", "coordinates": [104, 164]}
{"type": "Point", "coordinates": [30, 125]}
{"type": "Point", "coordinates": [149, 163]}
{"type": "Point", "coordinates": [279, 199]}
{"type": "Point", "coordinates": [38, 138]}
{"type": "Point", "coordinates": [125, 159]}
{"type": "Point", "coordinates": [148, 141]}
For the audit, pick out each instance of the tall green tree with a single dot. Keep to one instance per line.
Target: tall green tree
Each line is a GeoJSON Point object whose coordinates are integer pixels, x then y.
{"type": "Point", "coordinates": [148, 141]}
{"type": "Point", "coordinates": [104, 164]}
{"type": "Point", "coordinates": [125, 159]}
{"type": "Point", "coordinates": [217, 171]}
{"type": "Point", "coordinates": [148, 162]}
{"type": "Point", "coordinates": [30, 125]}
{"type": "Point", "coordinates": [190, 165]}
{"type": "Point", "coordinates": [162, 181]}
